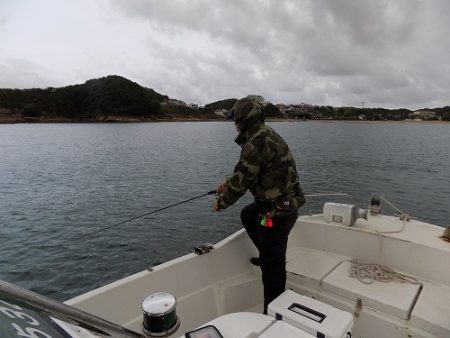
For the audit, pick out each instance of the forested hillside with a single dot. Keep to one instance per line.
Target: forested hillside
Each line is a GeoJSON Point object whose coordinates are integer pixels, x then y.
{"type": "Point", "coordinates": [97, 99]}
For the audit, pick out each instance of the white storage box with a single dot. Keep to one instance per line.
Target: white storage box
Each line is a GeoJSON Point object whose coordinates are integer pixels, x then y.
{"type": "Point", "coordinates": [338, 213]}
{"type": "Point", "coordinates": [282, 329]}
{"type": "Point", "coordinates": [317, 318]}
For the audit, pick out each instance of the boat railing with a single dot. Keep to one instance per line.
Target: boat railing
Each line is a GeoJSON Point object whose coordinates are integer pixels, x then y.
{"type": "Point", "coordinates": [29, 314]}
{"type": "Point", "coordinates": [312, 197]}
{"type": "Point", "coordinates": [374, 204]}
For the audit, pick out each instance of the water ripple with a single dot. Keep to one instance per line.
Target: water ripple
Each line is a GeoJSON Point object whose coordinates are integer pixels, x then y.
{"type": "Point", "coordinates": [61, 181]}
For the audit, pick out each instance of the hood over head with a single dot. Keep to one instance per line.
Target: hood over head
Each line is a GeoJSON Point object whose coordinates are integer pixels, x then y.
{"type": "Point", "coordinates": [247, 112]}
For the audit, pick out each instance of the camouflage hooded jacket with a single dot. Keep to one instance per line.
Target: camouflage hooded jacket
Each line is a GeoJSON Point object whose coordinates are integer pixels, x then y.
{"type": "Point", "coordinates": [266, 167]}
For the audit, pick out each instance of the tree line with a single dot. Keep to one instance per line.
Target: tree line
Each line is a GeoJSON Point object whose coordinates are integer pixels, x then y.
{"type": "Point", "coordinates": [94, 100]}
{"type": "Point", "coordinates": [115, 96]}
{"type": "Point", "coordinates": [354, 113]}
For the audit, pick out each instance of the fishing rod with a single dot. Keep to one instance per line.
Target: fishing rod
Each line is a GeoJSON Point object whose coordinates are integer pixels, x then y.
{"type": "Point", "coordinates": [178, 203]}
{"type": "Point", "coordinates": [146, 214]}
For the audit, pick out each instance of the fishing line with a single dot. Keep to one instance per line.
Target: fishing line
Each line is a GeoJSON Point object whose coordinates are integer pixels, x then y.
{"type": "Point", "coordinates": [140, 216]}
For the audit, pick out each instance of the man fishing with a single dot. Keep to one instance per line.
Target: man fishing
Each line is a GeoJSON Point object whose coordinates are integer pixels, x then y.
{"type": "Point", "coordinates": [267, 168]}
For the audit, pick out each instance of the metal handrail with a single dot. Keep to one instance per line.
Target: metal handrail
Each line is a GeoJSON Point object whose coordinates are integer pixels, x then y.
{"type": "Point", "coordinates": [66, 313]}
{"type": "Point", "coordinates": [310, 197]}
{"type": "Point", "coordinates": [402, 215]}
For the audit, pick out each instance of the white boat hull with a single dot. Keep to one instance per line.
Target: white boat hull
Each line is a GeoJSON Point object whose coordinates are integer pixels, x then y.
{"type": "Point", "coordinates": [223, 281]}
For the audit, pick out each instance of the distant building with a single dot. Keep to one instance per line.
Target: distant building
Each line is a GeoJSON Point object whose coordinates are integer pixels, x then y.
{"type": "Point", "coordinates": [424, 115]}
{"type": "Point", "coordinates": [222, 112]}
{"type": "Point", "coordinates": [281, 106]}
{"type": "Point", "coordinates": [174, 102]}
{"type": "Point", "coordinates": [301, 110]}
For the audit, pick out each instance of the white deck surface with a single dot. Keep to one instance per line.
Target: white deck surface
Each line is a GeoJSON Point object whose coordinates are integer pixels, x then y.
{"type": "Point", "coordinates": [312, 263]}
{"type": "Point", "coordinates": [432, 310]}
{"type": "Point", "coordinates": [223, 281]}
{"type": "Point", "coordinates": [393, 298]}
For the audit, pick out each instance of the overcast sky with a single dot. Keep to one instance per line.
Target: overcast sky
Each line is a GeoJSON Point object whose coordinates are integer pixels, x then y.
{"type": "Point", "coordinates": [336, 52]}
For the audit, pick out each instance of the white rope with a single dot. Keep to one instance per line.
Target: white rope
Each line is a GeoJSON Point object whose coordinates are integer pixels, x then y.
{"type": "Point", "coordinates": [367, 273]}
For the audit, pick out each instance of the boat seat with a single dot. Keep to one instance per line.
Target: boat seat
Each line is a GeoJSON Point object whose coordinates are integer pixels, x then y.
{"type": "Point", "coordinates": [432, 309]}
{"type": "Point", "coordinates": [394, 298]}
{"type": "Point", "coordinates": [310, 266]}
{"type": "Point", "coordinates": [327, 271]}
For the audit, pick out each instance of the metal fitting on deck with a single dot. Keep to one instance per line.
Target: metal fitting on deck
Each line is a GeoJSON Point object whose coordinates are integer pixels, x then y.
{"type": "Point", "coordinates": [446, 235]}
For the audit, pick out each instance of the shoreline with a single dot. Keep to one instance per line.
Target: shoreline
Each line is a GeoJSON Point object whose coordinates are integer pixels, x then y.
{"type": "Point", "coordinates": [199, 119]}
{"type": "Point", "coordinates": [360, 122]}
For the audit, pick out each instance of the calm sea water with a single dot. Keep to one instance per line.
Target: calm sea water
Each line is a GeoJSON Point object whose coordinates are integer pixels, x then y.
{"type": "Point", "coordinates": [60, 181]}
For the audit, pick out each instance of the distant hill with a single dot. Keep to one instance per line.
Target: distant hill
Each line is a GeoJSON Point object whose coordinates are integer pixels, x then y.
{"type": "Point", "coordinates": [107, 98]}
{"type": "Point", "coordinates": [223, 104]}
{"type": "Point", "coordinates": [115, 98]}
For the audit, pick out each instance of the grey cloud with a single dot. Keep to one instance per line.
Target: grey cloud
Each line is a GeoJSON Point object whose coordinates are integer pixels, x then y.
{"type": "Point", "coordinates": [288, 49]}
{"type": "Point", "coordinates": [195, 76]}
{"type": "Point", "coordinates": [3, 20]}
{"type": "Point", "coordinates": [252, 25]}
{"type": "Point", "coordinates": [321, 52]}
{"type": "Point", "coordinates": [20, 73]}
{"type": "Point", "coordinates": [372, 24]}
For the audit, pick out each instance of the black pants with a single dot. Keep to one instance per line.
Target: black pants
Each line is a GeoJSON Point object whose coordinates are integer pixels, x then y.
{"type": "Point", "coordinates": [271, 244]}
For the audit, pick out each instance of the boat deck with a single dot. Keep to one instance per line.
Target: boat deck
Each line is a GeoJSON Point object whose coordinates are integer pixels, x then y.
{"type": "Point", "coordinates": [315, 271]}
{"type": "Point", "coordinates": [223, 281]}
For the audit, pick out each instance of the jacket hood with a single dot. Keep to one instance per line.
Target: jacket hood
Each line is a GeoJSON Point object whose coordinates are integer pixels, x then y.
{"type": "Point", "coordinates": [247, 112]}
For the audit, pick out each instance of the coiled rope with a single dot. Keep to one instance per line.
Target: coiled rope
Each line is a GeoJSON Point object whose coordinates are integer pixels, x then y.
{"type": "Point", "coordinates": [367, 273]}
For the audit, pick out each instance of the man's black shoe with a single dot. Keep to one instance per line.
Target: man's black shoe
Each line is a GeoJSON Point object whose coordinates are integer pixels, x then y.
{"type": "Point", "coordinates": [255, 261]}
